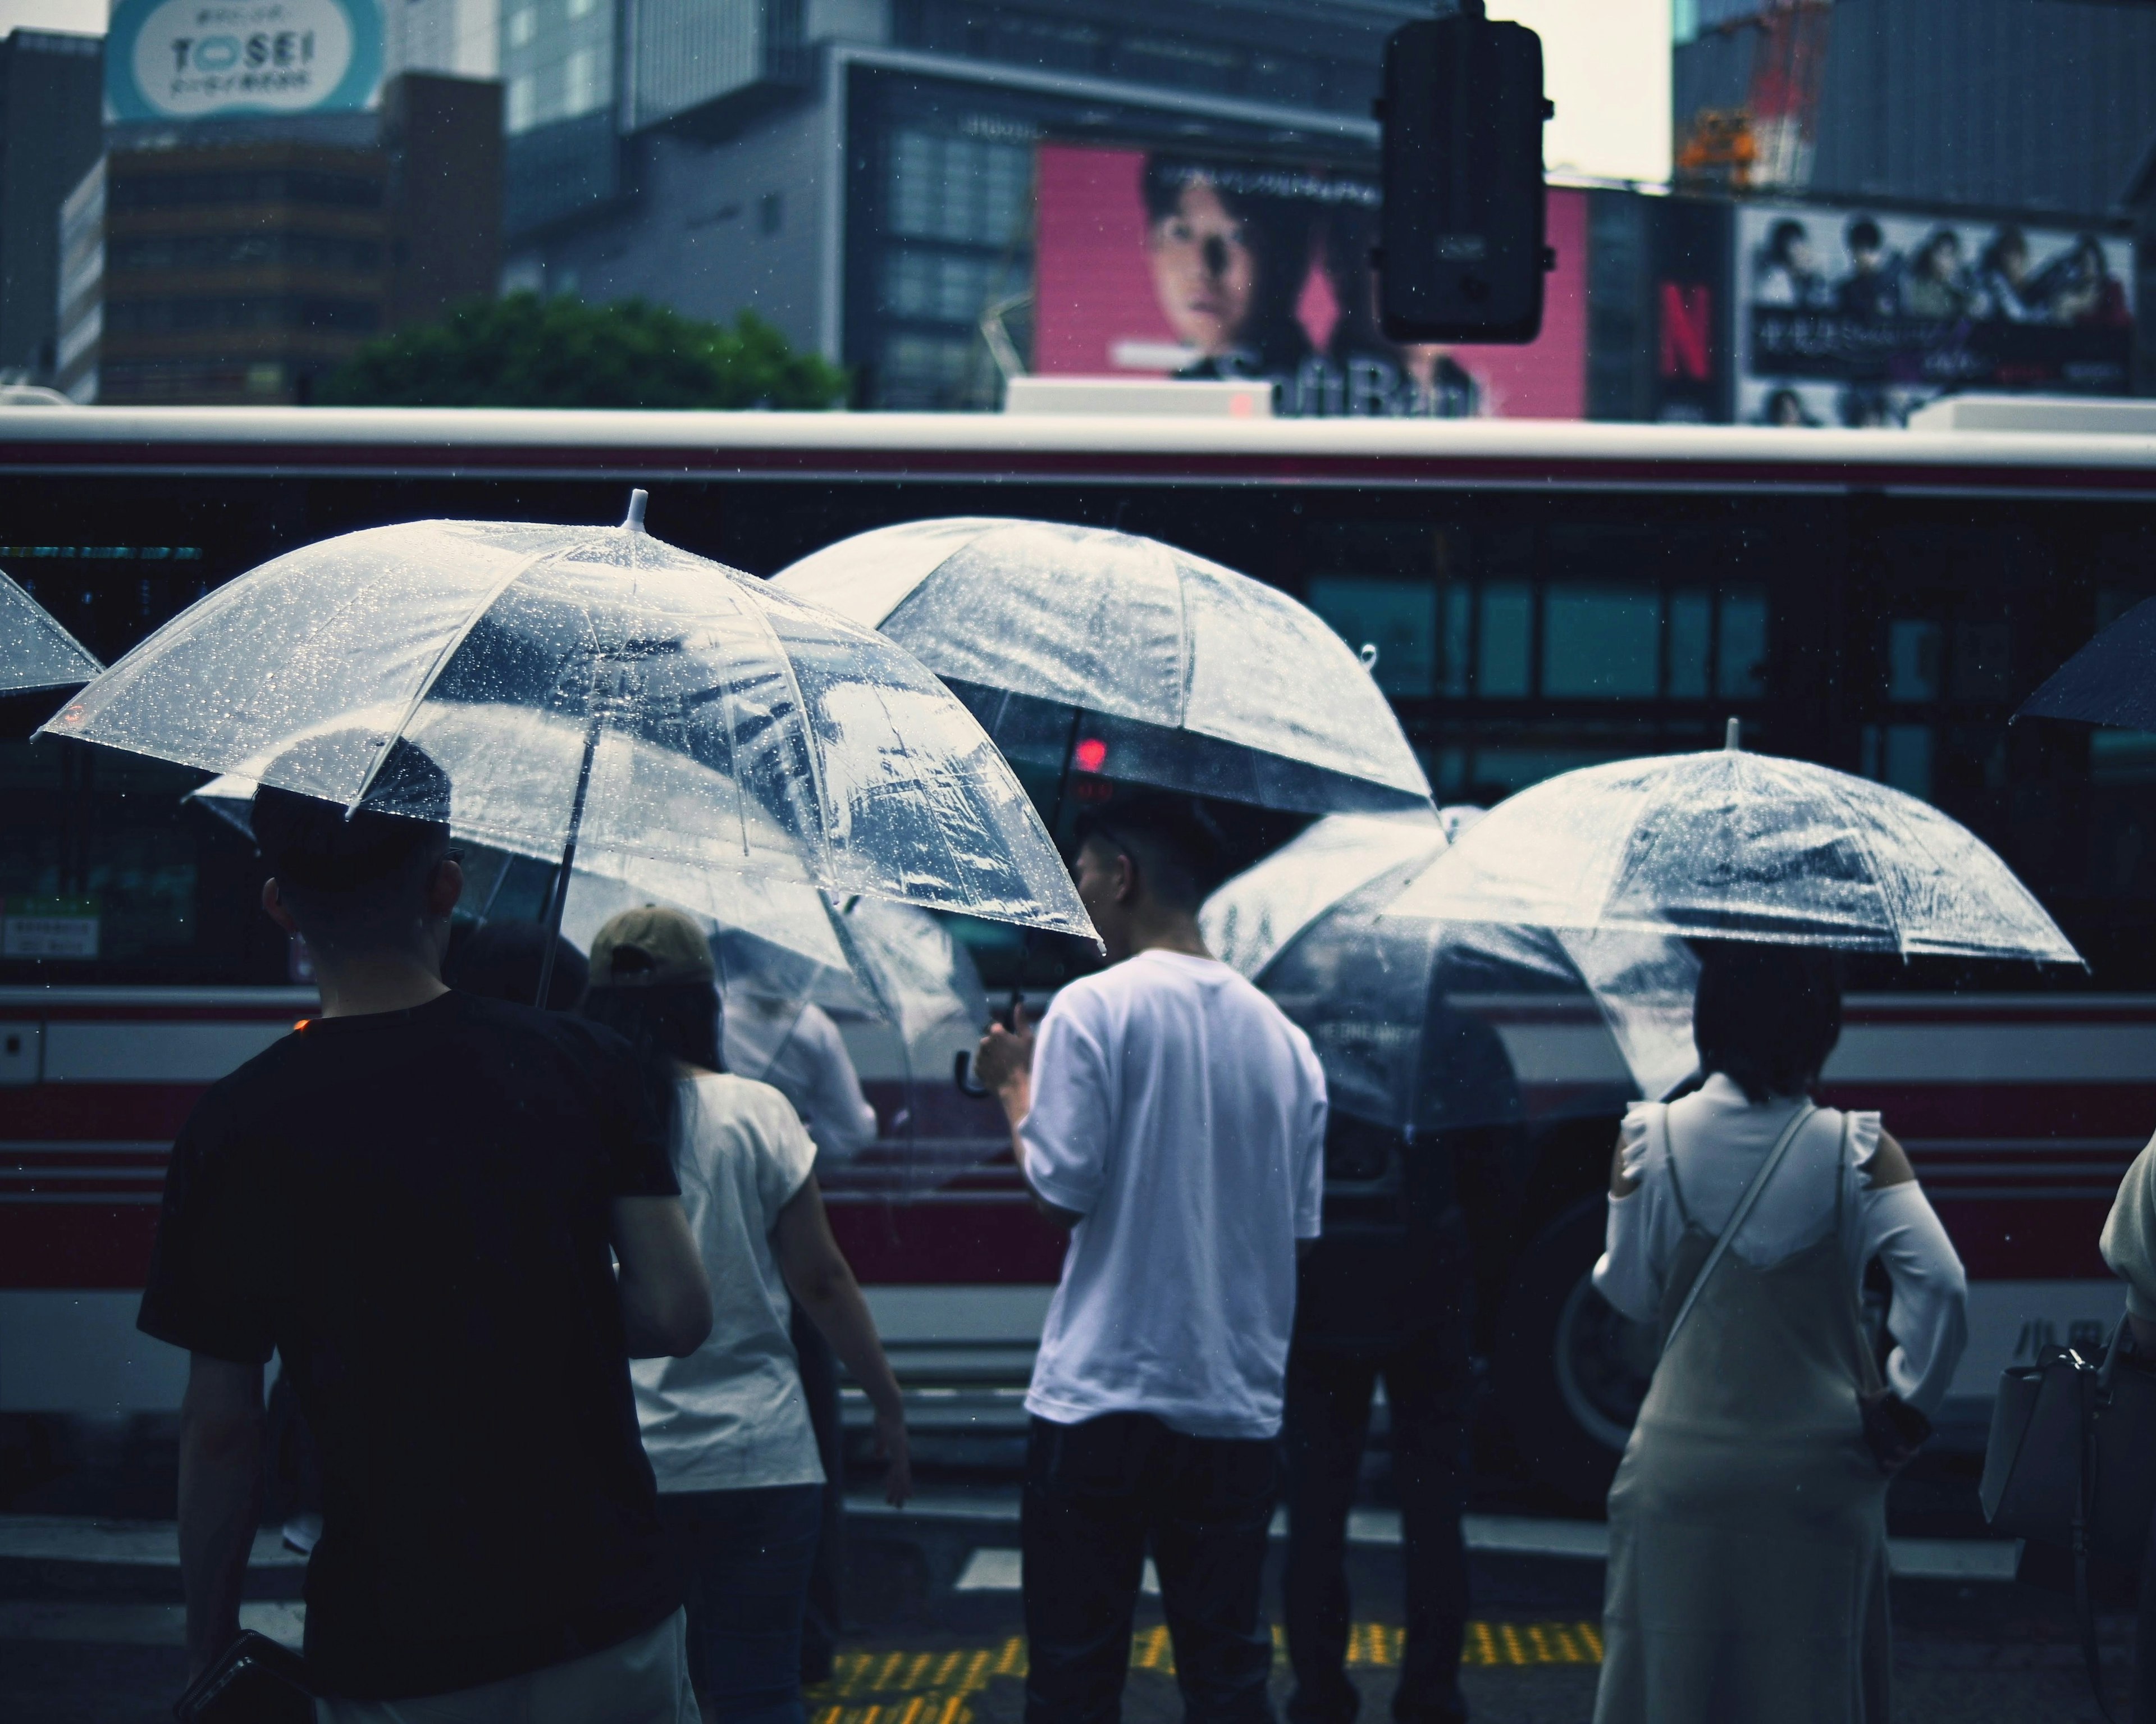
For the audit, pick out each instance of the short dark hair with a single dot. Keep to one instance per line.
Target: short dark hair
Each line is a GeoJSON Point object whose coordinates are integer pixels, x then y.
{"type": "Point", "coordinates": [1176, 848]}
{"type": "Point", "coordinates": [351, 880]}
{"type": "Point", "coordinates": [1863, 234]}
{"type": "Point", "coordinates": [501, 960]}
{"type": "Point", "coordinates": [1766, 1017]}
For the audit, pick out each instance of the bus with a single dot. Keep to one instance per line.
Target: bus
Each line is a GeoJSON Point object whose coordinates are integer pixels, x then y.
{"type": "Point", "coordinates": [1541, 595]}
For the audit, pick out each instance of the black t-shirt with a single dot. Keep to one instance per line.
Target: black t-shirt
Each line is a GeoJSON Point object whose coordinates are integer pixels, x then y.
{"type": "Point", "coordinates": [413, 1209]}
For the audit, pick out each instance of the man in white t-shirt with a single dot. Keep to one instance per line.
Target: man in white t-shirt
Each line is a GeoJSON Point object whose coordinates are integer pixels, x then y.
{"type": "Point", "coordinates": [1173, 1121]}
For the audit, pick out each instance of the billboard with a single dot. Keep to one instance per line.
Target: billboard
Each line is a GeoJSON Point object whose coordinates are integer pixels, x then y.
{"type": "Point", "coordinates": [203, 59]}
{"type": "Point", "coordinates": [1851, 318]}
{"type": "Point", "coordinates": [1157, 264]}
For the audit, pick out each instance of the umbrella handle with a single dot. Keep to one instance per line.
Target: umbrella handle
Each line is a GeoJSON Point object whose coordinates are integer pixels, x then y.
{"type": "Point", "coordinates": [961, 1074]}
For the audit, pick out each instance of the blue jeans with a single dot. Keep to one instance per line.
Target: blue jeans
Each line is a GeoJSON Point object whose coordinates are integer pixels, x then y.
{"type": "Point", "coordinates": [745, 1556]}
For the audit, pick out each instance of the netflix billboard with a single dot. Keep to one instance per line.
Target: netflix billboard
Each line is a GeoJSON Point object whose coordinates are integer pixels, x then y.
{"type": "Point", "coordinates": [1149, 263]}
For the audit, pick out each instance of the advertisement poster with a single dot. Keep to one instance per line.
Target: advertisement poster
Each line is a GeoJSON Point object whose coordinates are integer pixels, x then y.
{"type": "Point", "coordinates": [199, 59]}
{"type": "Point", "coordinates": [1851, 318]}
{"type": "Point", "coordinates": [1153, 264]}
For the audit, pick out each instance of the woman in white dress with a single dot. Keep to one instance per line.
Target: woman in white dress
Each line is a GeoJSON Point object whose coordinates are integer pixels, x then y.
{"type": "Point", "coordinates": [1747, 1526]}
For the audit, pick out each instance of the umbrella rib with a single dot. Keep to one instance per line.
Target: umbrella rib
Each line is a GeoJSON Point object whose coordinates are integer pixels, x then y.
{"type": "Point", "coordinates": [1878, 874]}
{"type": "Point", "coordinates": [1185, 657]}
{"type": "Point", "coordinates": [785, 658]}
{"type": "Point", "coordinates": [442, 658]}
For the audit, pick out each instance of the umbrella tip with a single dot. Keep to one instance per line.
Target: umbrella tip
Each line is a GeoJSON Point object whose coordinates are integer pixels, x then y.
{"type": "Point", "coordinates": [1730, 734]}
{"type": "Point", "coordinates": [634, 520]}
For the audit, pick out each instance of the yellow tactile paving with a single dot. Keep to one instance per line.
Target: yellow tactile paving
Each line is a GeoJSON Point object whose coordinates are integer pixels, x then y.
{"type": "Point", "coordinates": [904, 1687]}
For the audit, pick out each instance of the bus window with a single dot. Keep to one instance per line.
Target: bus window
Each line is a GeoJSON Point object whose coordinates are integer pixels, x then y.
{"type": "Point", "coordinates": [1912, 660]}
{"type": "Point", "coordinates": [1507, 634]}
{"type": "Point", "coordinates": [1691, 633]}
{"type": "Point", "coordinates": [1740, 671]}
{"type": "Point", "coordinates": [1600, 643]}
{"type": "Point", "coordinates": [1398, 617]}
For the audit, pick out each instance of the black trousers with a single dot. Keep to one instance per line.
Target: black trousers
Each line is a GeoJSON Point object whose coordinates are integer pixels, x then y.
{"type": "Point", "coordinates": [1097, 1496]}
{"type": "Point", "coordinates": [1428, 1388]}
{"type": "Point", "coordinates": [819, 1387]}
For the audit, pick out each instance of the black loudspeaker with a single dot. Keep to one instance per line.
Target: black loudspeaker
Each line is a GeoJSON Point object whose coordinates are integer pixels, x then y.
{"type": "Point", "coordinates": [1464, 245]}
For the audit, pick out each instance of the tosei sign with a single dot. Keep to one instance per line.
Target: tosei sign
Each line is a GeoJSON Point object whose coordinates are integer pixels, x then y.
{"type": "Point", "coordinates": [199, 59]}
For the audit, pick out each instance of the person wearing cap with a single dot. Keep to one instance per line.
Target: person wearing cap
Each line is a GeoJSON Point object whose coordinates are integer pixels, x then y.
{"type": "Point", "coordinates": [727, 1428]}
{"type": "Point", "coordinates": [1171, 1120]}
{"type": "Point", "coordinates": [792, 1045]}
{"type": "Point", "coordinates": [419, 1200]}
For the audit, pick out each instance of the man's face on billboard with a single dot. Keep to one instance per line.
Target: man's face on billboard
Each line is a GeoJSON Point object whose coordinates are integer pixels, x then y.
{"type": "Point", "coordinates": [1203, 271]}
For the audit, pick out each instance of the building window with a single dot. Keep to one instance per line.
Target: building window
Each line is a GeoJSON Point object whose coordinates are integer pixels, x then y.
{"type": "Point", "coordinates": [926, 373]}
{"type": "Point", "coordinates": [517, 113]}
{"type": "Point", "coordinates": [583, 9]}
{"type": "Point", "coordinates": [948, 287]}
{"type": "Point", "coordinates": [771, 212]}
{"type": "Point", "coordinates": [970, 191]}
{"type": "Point", "coordinates": [580, 81]}
{"type": "Point", "coordinates": [522, 24]}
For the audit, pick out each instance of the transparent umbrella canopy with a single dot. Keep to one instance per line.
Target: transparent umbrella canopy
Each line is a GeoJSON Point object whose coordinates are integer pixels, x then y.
{"type": "Point", "coordinates": [1423, 1026]}
{"type": "Point", "coordinates": [1739, 845]}
{"type": "Point", "coordinates": [593, 695]}
{"type": "Point", "coordinates": [35, 651]}
{"type": "Point", "coordinates": [1102, 652]}
{"type": "Point", "coordinates": [904, 993]}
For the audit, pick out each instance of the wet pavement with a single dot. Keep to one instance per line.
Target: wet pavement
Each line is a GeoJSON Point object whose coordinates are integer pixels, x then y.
{"type": "Point", "coordinates": [89, 1625]}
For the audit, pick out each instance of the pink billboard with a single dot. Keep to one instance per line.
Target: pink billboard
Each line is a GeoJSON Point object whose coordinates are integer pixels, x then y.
{"type": "Point", "coordinates": [1154, 265]}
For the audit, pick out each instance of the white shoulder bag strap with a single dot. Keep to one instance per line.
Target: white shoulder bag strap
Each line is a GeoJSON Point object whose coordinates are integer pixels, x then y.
{"type": "Point", "coordinates": [1737, 1217]}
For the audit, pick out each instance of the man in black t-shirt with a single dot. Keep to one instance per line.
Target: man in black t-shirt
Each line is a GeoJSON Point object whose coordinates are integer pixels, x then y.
{"type": "Point", "coordinates": [416, 1199]}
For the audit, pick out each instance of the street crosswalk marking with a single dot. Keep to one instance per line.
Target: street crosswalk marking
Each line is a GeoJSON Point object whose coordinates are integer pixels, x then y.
{"type": "Point", "coordinates": [887, 1687]}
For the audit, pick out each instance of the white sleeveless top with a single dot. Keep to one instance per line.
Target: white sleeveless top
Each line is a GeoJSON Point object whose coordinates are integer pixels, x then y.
{"type": "Point", "coordinates": [1720, 1139]}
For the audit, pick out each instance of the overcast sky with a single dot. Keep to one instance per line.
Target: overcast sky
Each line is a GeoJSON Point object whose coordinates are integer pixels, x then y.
{"type": "Point", "coordinates": [1607, 68]}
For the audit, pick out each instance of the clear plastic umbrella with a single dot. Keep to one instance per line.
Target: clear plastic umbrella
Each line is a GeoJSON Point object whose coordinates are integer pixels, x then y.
{"type": "Point", "coordinates": [593, 693]}
{"type": "Point", "coordinates": [902, 993]}
{"type": "Point", "coordinates": [1424, 1025]}
{"type": "Point", "coordinates": [1102, 652]}
{"type": "Point", "coordinates": [35, 651]}
{"type": "Point", "coordinates": [1739, 845]}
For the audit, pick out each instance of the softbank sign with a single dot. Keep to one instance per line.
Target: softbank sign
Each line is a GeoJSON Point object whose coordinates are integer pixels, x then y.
{"type": "Point", "coordinates": [194, 60]}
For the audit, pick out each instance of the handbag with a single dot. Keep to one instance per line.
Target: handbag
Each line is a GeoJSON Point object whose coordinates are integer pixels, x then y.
{"type": "Point", "coordinates": [255, 1680]}
{"type": "Point", "coordinates": [2071, 1465]}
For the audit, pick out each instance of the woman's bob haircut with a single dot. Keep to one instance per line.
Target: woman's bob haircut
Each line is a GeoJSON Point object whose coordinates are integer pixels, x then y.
{"type": "Point", "coordinates": [1766, 1017]}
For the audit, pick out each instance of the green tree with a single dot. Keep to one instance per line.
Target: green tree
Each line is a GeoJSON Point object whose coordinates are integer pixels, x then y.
{"type": "Point", "coordinates": [524, 351]}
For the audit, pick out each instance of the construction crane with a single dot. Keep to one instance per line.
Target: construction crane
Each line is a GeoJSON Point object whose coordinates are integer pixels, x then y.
{"type": "Point", "coordinates": [1769, 141]}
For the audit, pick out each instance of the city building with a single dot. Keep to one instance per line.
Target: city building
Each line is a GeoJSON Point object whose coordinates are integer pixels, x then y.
{"type": "Point", "coordinates": [228, 265]}
{"type": "Point", "coordinates": [50, 132]}
{"type": "Point", "coordinates": [267, 203]}
{"type": "Point", "coordinates": [866, 173]}
{"type": "Point", "coordinates": [2039, 107]}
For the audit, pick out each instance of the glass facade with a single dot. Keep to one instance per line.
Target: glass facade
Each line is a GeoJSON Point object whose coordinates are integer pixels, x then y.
{"type": "Point", "coordinates": [557, 60]}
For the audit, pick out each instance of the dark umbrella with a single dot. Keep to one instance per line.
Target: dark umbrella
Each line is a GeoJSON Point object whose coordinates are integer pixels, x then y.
{"type": "Point", "coordinates": [2111, 681]}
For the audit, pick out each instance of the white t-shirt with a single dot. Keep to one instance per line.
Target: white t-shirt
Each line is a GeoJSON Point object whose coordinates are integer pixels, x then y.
{"type": "Point", "coordinates": [798, 1049]}
{"type": "Point", "coordinates": [1721, 1140]}
{"type": "Point", "coordinates": [731, 1416]}
{"type": "Point", "coordinates": [1182, 1116]}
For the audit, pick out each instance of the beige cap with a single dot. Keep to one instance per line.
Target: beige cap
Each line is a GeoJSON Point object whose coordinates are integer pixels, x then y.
{"type": "Point", "coordinates": [650, 947]}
